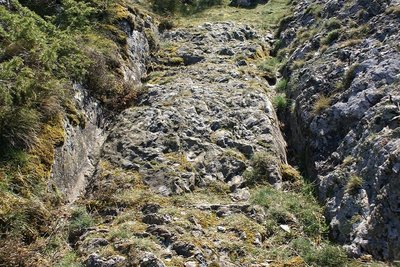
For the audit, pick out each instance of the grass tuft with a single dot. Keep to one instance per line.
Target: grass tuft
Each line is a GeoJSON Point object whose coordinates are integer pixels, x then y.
{"type": "Point", "coordinates": [322, 103]}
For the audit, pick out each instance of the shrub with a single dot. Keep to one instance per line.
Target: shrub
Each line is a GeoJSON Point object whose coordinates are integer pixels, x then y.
{"type": "Point", "coordinates": [75, 14]}
{"type": "Point", "coordinates": [166, 24]}
{"type": "Point", "coordinates": [165, 6]}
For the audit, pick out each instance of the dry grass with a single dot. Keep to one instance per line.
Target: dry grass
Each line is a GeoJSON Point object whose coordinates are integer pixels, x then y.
{"type": "Point", "coordinates": [322, 103]}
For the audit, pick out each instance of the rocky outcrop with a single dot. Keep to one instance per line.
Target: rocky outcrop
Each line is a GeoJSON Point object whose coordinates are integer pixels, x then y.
{"type": "Point", "coordinates": [344, 67]}
{"type": "Point", "coordinates": [86, 125]}
{"type": "Point", "coordinates": [172, 185]}
{"type": "Point", "coordinates": [76, 159]}
{"type": "Point", "coordinates": [205, 122]}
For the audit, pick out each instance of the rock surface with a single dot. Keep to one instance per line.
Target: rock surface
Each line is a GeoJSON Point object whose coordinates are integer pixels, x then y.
{"type": "Point", "coordinates": [205, 122]}
{"type": "Point", "coordinates": [168, 165]}
{"type": "Point", "coordinates": [345, 122]}
{"type": "Point", "coordinates": [77, 157]}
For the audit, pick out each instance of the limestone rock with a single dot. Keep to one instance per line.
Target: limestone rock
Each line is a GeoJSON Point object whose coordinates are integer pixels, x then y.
{"type": "Point", "coordinates": [346, 119]}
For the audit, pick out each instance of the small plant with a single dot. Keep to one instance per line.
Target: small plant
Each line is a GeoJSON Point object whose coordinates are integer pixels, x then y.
{"type": "Point", "coordinates": [122, 231]}
{"type": "Point", "coordinates": [282, 85]}
{"type": "Point", "coordinates": [393, 10]}
{"type": "Point", "coordinates": [299, 209]}
{"type": "Point", "coordinates": [80, 220]}
{"type": "Point", "coordinates": [280, 102]}
{"type": "Point", "coordinates": [166, 24]}
{"type": "Point", "coordinates": [297, 64]}
{"type": "Point", "coordinates": [350, 76]}
{"type": "Point", "coordinates": [348, 160]}
{"type": "Point", "coordinates": [289, 173]}
{"type": "Point", "coordinates": [70, 259]}
{"type": "Point", "coordinates": [263, 165]}
{"type": "Point", "coordinates": [315, 10]}
{"type": "Point", "coordinates": [331, 37]}
{"type": "Point", "coordinates": [354, 184]}
{"type": "Point", "coordinates": [269, 66]}
{"type": "Point", "coordinates": [333, 24]}
{"type": "Point", "coordinates": [322, 103]}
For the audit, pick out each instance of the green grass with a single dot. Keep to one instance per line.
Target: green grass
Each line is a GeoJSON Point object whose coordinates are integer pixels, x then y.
{"type": "Point", "coordinates": [261, 17]}
{"type": "Point", "coordinates": [280, 102]}
{"type": "Point", "coordinates": [70, 259]}
{"type": "Point", "coordinates": [331, 37]}
{"type": "Point", "coordinates": [269, 66]}
{"type": "Point", "coordinates": [323, 255]}
{"type": "Point", "coordinates": [304, 244]}
{"type": "Point", "coordinates": [300, 210]}
{"type": "Point", "coordinates": [282, 85]}
{"type": "Point", "coordinates": [80, 220]}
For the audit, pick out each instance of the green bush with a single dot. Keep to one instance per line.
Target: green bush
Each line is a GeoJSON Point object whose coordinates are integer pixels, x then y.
{"type": "Point", "coordinates": [280, 102]}
{"type": "Point", "coordinates": [75, 14]}
{"type": "Point", "coordinates": [282, 85]}
{"type": "Point", "coordinates": [331, 37]}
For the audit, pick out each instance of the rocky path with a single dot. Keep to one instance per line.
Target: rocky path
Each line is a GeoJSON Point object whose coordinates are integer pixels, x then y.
{"type": "Point", "coordinates": [174, 183]}
{"type": "Point", "coordinates": [200, 121]}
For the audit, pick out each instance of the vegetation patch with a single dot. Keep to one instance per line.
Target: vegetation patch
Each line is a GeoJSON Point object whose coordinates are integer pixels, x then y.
{"type": "Point", "coordinates": [322, 103]}
{"type": "Point", "coordinates": [354, 184]}
{"type": "Point", "coordinates": [331, 37]}
{"type": "Point", "coordinates": [280, 102]}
